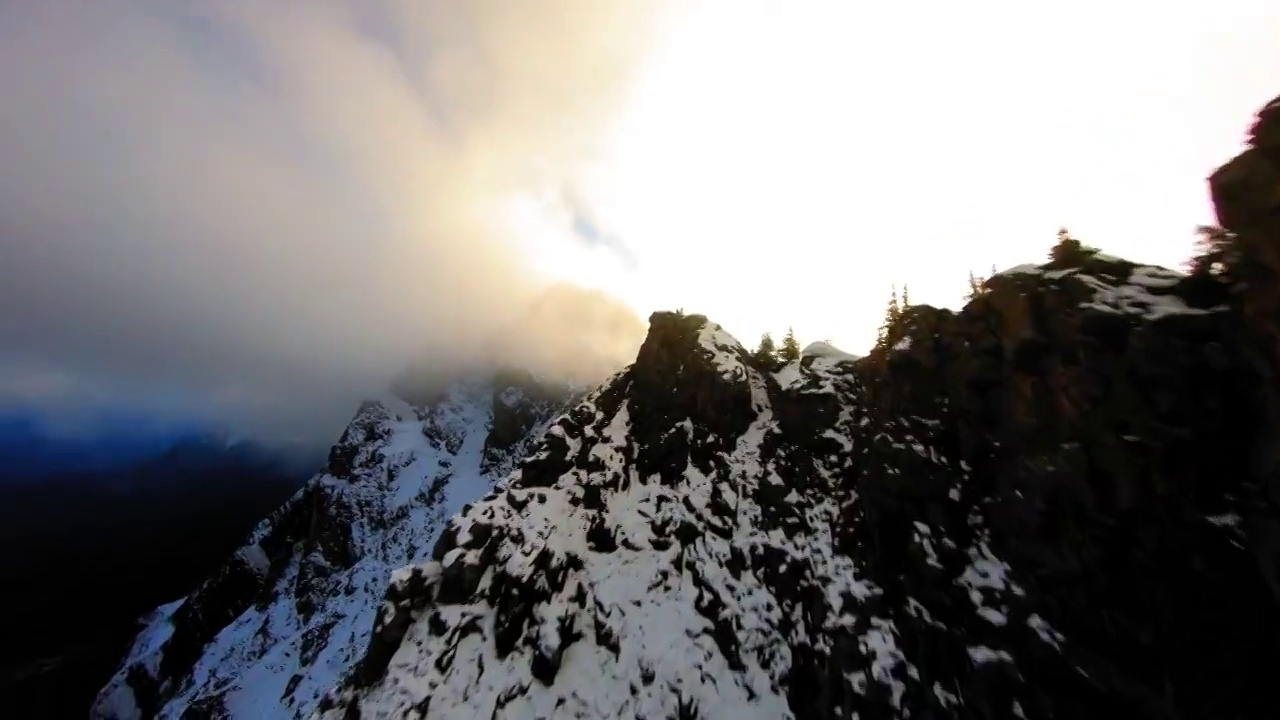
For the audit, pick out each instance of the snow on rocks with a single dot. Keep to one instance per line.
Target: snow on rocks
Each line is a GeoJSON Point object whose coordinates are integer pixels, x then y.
{"type": "Point", "coordinates": [1139, 296]}
{"type": "Point", "coordinates": [1120, 287]}
{"type": "Point", "coordinates": [726, 352]}
{"type": "Point", "coordinates": [117, 699]}
{"type": "Point", "coordinates": [826, 350]}
{"type": "Point", "coordinates": [1155, 277]}
{"type": "Point", "coordinates": [648, 562]}
{"type": "Point", "coordinates": [322, 565]}
{"type": "Point", "coordinates": [789, 375]}
{"type": "Point", "coordinates": [696, 537]}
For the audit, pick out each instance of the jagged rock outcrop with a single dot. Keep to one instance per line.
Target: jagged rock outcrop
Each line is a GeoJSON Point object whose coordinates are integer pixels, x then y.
{"type": "Point", "coordinates": [1110, 414]}
{"type": "Point", "coordinates": [1037, 507]}
{"type": "Point", "coordinates": [292, 610]}
{"type": "Point", "coordinates": [520, 402]}
{"type": "Point", "coordinates": [1246, 196]}
{"type": "Point", "coordinates": [1058, 502]}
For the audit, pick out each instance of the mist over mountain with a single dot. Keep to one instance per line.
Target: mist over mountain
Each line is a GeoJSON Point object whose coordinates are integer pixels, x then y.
{"type": "Point", "coordinates": [30, 449]}
{"type": "Point", "coordinates": [35, 446]}
{"type": "Point", "coordinates": [151, 503]}
{"type": "Point", "coordinates": [1055, 502]}
{"type": "Point", "coordinates": [253, 216]}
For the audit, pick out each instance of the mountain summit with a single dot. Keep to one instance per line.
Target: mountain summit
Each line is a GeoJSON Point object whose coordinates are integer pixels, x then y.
{"type": "Point", "coordinates": [1058, 502]}
{"type": "Point", "coordinates": [289, 612]}
{"type": "Point", "coordinates": [1027, 509]}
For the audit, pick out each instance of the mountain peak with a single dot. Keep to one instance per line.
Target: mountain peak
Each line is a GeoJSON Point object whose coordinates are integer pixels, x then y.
{"type": "Point", "coordinates": [631, 489]}
{"type": "Point", "coordinates": [840, 537]}
{"type": "Point", "coordinates": [293, 609]}
{"type": "Point", "coordinates": [1056, 502]}
{"type": "Point", "coordinates": [674, 336]}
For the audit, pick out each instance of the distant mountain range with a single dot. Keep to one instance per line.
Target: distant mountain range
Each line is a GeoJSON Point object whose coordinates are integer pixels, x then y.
{"type": "Point", "coordinates": [33, 449]}
{"type": "Point", "coordinates": [30, 449]}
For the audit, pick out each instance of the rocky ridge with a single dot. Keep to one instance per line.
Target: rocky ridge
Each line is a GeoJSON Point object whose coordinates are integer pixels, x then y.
{"type": "Point", "coordinates": [293, 609]}
{"type": "Point", "coordinates": [1062, 501]}
{"type": "Point", "coordinates": [1037, 507]}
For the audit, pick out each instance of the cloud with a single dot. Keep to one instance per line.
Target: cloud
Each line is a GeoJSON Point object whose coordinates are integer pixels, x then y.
{"type": "Point", "coordinates": [264, 209]}
{"type": "Point", "coordinates": [592, 232]}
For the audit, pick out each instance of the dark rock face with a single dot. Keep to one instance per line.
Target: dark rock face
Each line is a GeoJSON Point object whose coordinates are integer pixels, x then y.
{"type": "Point", "coordinates": [1109, 445]}
{"type": "Point", "coordinates": [364, 430]}
{"type": "Point", "coordinates": [1246, 194]}
{"type": "Point", "coordinates": [1036, 507]}
{"type": "Point", "coordinates": [677, 378]}
{"type": "Point", "coordinates": [520, 402]}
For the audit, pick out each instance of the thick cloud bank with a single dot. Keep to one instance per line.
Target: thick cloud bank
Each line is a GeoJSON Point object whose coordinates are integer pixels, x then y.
{"type": "Point", "coordinates": [264, 209]}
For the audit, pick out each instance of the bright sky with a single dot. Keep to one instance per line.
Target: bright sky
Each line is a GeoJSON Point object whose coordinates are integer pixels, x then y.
{"type": "Point", "coordinates": [786, 162]}
{"type": "Point", "coordinates": [264, 209]}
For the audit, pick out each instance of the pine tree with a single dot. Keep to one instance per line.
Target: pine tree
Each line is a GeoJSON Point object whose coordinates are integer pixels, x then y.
{"type": "Point", "coordinates": [790, 350]}
{"type": "Point", "coordinates": [1068, 250]}
{"type": "Point", "coordinates": [766, 353]}
{"type": "Point", "coordinates": [906, 298]}
{"type": "Point", "coordinates": [975, 286]}
{"type": "Point", "coordinates": [892, 316]}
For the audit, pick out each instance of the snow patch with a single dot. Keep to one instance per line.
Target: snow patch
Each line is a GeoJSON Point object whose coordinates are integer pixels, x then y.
{"type": "Point", "coordinates": [1137, 299]}
{"type": "Point", "coordinates": [255, 557]}
{"type": "Point", "coordinates": [1150, 276]}
{"type": "Point", "coordinates": [1231, 520]}
{"type": "Point", "coordinates": [422, 465]}
{"type": "Point", "coordinates": [724, 349]}
{"type": "Point", "coordinates": [981, 655]}
{"type": "Point", "coordinates": [827, 350]}
{"type": "Point", "coordinates": [117, 699]}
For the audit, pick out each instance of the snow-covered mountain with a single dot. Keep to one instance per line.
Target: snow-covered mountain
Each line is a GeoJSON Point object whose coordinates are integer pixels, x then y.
{"type": "Point", "coordinates": [1059, 502]}
{"type": "Point", "coordinates": [701, 538]}
{"type": "Point", "coordinates": [292, 610]}
{"type": "Point", "coordinates": [1045, 505]}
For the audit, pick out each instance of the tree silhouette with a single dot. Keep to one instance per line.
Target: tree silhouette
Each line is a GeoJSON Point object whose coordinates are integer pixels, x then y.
{"type": "Point", "coordinates": [766, 353]}
{"type": "Point", "coordinates": [790, 350]}
{"type": "Point", "coordinates": [1069, 251]}
{"type": "Point", "coordinates": [976, 286]}
{"type": "Point", "coordinates": [892, 314]}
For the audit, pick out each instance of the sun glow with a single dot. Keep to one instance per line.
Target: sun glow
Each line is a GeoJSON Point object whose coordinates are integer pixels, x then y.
{"type": "Point", "coordinates": [728, 176]}
{"type": "Point", "coordinates": [785, 164]}
{"type": "Point", "coordinates": [722, 176]}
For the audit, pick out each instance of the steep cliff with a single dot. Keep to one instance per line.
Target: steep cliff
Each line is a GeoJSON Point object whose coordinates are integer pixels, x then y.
{"type": "Point", "coordinates": [1037, 507]}
{"type": "Point", "coordinates": [285, 617]}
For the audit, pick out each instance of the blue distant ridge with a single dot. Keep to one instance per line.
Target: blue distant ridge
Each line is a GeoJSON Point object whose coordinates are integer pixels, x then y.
{"type": "Point", "coordinates": [30, 449]}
